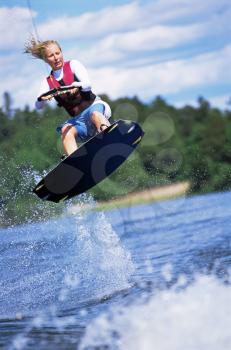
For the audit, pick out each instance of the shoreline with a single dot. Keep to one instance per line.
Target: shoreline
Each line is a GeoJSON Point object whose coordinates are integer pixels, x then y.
{"type": "Point", "coordinates": [153, 194]}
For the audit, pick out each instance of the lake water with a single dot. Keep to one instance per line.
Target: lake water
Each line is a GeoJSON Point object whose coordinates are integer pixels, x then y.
{"type": "Point", "coordinates": [150, 277]}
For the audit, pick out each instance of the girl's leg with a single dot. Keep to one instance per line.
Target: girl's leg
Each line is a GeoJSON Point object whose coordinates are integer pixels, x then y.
{"type": "Point", "coordinates": [69, 134]}
{"type": "Point", "coordinates": [99, 120]}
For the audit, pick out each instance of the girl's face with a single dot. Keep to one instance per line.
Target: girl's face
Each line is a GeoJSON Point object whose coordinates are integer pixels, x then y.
{"type": "Point", "coordinates": [54, 56]}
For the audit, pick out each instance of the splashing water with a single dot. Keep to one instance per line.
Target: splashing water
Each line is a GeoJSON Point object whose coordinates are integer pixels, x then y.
{"type": "Point", "coordinates": [18, 205]}
{"type": "Point", "coordinates": [102, 252]}
{"type": "Point", "coordinates": [197, 317]}
{"type": "Point", "coordinates": [58, 266]}
{"type": "Point", "coordinates": [70, 259]}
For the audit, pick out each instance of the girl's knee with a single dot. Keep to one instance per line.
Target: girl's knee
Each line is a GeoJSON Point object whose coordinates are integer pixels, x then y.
{"type": "Point", "coordinates": [96, 114]}
{"type": "Point", "coordinates": [68, 131]}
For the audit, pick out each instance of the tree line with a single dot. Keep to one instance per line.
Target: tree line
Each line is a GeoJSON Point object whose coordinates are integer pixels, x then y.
{"type": "Point", "coordinates": [188, 143]}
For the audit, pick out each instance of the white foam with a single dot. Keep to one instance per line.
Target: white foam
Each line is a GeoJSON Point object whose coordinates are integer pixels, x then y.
{"type": "Point", "coordinates": [195, 318]}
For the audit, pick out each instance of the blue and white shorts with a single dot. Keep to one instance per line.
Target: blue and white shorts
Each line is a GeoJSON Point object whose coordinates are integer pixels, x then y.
{"type": "Point", "coordinates": [82, 122]}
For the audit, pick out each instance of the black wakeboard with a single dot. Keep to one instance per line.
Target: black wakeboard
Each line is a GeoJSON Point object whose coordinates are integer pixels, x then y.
{"type": "Point", "coordinates": [92, 162]}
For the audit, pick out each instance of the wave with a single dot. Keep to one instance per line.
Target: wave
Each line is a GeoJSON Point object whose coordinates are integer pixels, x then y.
{"type": "Point", "coordinates": [194, 317]}
{"type": "Point", "coordinates": [63, 262]}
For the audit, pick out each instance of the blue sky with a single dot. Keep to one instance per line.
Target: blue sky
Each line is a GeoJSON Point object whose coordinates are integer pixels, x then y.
{"type": "Point", "coordinates": [178, 49]}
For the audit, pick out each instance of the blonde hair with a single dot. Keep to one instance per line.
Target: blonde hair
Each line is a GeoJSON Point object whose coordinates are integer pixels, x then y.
{"type": "Point", "coordinates": [37, 48]}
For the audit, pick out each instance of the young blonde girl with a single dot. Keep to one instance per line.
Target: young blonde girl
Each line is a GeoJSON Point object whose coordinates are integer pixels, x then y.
{"type": "Point", "coordinates": [89, 114]}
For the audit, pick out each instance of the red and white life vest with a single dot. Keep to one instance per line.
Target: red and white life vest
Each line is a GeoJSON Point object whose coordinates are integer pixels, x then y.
{"type": "Point", "coordinates": [73, 104]}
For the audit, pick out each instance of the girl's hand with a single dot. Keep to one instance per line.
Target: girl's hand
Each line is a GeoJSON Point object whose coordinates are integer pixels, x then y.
{"type": "Point", "coordinates": [45, 98]}
{"type": "Point", "coordinates": [73, 91]}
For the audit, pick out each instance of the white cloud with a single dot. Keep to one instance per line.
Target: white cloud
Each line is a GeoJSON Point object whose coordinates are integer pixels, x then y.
{"type": "Point", "coordinates": [96, 24]}
{"type": "Point", "coordinates": [166, 77]}
{"type": "Point", "coordinates": [116, 47]}
{"type": "Point", "coordinates": [222, 101]}
{"type": "Point", "coordinates": [7, 63]}
{"type": "Point", "coordinates": [135, 28]}
{"type": "Point", "coordinates": [157, 37]}
{"type": "Point", "coordinates": [187, 11]}
{"type": "Point", "coordinates": [135, 18]}
{"type": "Point", "coordinates": [130, 17]}
{"type": "Point", "coordinates": [15, 25]}
{"type": "Point", "coordinates": [23, 81]}
{"type": "Point", "coordinates": [218, 101]}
